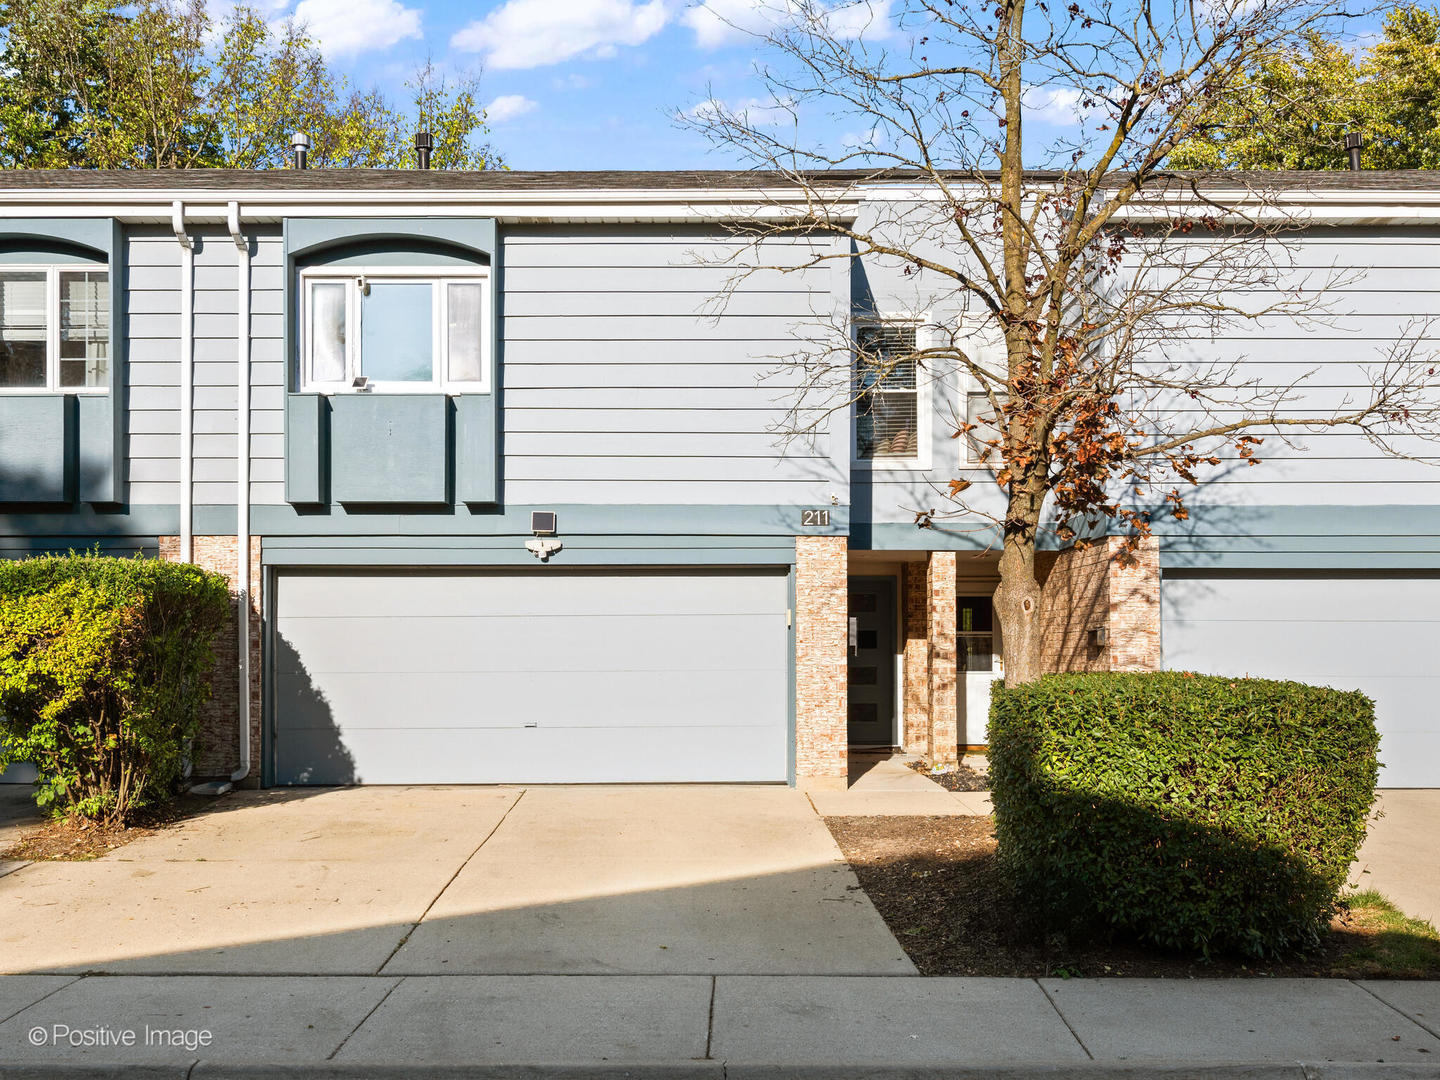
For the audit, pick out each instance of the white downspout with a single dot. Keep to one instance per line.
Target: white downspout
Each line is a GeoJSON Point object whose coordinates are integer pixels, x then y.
{"type": "Point", "coordinates": [242, 481]}
{"type": "Point", "coordinates": [187, 376]}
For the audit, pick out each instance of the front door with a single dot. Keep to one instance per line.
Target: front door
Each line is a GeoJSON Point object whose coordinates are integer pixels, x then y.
{"type": "Point", "coordinates": [872, 661]}
{"type": "Point", "coordinates": [980, 662]}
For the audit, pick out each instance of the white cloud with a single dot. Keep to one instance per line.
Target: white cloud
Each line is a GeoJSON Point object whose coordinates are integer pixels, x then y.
{"type": "Point", "coordinates": [1059, 104]}
{"type": "Point", "coordinates": [752, 112]}
{"type": "Point", "coordinates": [725, 22]}
{"type": "Point", "coordinates": [865, 141]}
{"type": "Point", "coordinates": [508, 107]}
{"type": "Point", "coordinates": [533, 33]}
{"type": "Point", "coordinates": [348, 27]}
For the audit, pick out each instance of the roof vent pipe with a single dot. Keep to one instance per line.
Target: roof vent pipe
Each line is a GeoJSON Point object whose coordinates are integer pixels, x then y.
{"type": "Point", "coordinates": [300, 143]}
{"type": "Point", "coordinates": [424, 143]}
{"type": "Point", "coordinates": [1353, 141]}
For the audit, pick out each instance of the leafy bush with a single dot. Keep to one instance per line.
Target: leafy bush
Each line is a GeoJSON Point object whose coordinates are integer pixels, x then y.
{"type": "Point", "coordinates": [1191, 812]}
{"type": "Point", "coordinates": [104, 664]}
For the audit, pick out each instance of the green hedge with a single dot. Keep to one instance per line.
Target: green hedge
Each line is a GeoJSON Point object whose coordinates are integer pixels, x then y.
{"type": "Point", "coordinates": [1191, 812]}
{"type": "Point", "coordinates": [104, 664]}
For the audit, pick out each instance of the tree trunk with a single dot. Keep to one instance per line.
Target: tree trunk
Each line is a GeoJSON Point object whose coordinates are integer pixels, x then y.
{"type": "Point", "coordinates": [1017, 605]}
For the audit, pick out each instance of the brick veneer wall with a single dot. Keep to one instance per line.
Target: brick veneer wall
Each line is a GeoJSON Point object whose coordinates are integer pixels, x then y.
{"type": "Point", "coordinates": [943, 745]}
{"type": "Point", "coordinates": [1092, 588]}
{"type": "Point", "coordinates": [915, 619]}
{"type": "Point", "coordinates": [1135, 609]}
{"type": "Point", "coordinates": [217, 748]}
{"type": "Point", "coordinates": [821, 668]}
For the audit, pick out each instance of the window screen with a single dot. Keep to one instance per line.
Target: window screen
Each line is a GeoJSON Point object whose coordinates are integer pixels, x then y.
{"type": "Point", "coordinates": [463, 329]}
{"type": "Point", "coordinates": [327, 331]}
{"type": "Point", "coordinates": [84, 328]}
{"type": "Point", "coordinates": [887, 393]}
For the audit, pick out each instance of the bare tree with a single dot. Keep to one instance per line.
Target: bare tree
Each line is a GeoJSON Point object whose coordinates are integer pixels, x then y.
{"type": "Point", "coordinates": [1070, 294]}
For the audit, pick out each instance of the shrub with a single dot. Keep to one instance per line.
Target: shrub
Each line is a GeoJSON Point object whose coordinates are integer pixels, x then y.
{"type": "Point", "coordinates": [104, 664]}
{"type": "Point", "coordinates": [1191, 812]}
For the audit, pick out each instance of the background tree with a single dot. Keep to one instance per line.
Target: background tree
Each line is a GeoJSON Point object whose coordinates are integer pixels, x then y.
{"type": "Point", "coordinates": [1295, 103]}
{"type": "Point", "coordinates": [159, 84]}
{"type": "Point", "coordinates": [1071, 299]}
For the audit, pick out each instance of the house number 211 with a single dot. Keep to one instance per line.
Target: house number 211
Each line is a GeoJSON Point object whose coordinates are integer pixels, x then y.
{"type": "Point", "coordinates": [814, 518]}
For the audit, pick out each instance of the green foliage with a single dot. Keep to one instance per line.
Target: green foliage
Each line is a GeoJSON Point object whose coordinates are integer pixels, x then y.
{"type": "Point", "coordinates": [160, 84]}
{"type": "Point", "coordinates": [1197, 813]}
{"type": "Point", "coordinates": [104, 664]}
{"type": "Point", "coordinates": [1294, 106]}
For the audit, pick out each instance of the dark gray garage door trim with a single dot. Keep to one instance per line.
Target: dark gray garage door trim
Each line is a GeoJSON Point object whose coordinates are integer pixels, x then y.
{"type": "Point", "coordinates": [275, 564]}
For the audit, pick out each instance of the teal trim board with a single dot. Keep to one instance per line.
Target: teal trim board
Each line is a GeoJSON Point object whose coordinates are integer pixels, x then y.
{"type": "Point", "coordinates": [390, 449]}
{"type": "Point", "coordinates": [305, 441]}
{"type": "Point", "coordinates": [37, 440]}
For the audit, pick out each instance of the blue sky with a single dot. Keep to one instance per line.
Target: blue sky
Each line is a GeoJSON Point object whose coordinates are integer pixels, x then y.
{"type": "Point", "coordinates": [592, 84]}
{"type": "Point", "coordinates": [570, 84]}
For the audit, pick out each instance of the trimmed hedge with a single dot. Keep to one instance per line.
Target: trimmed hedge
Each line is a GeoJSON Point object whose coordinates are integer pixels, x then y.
{"type": "Point", "coordinates": [104, 664]}
{"type": "Point", "coordinates": [1197, 813]}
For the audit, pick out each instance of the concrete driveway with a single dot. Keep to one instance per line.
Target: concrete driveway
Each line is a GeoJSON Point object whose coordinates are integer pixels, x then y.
{"type": "Point", "coordinates": [1401, 856]}
{"type": "Point", "coordinates": [461, 880]}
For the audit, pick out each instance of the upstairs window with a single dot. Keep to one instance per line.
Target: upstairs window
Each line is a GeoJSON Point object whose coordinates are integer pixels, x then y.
{"type": "Point", "coordinates": [394, 329]}
{"type": "Point", "coordinates": [982, 441]}
{"type": "Point", "coordinates": [887, 394]}
{"type": "Point", "coordinates": [54, 328]}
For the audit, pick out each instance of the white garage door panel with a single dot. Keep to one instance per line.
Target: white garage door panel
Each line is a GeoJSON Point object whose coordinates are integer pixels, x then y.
{"type": "Point", "coordinates": [380, 594]}
{"type": "Point", "coordinates": [511, 699]}
{"type": "Point", "coordinates": [539, 643]}
{"type": "Point", "coordinates": [1374, 634]}
{"type": "Point", "coordinates": [548, 676]}
{"type": "Point", "coordinates": [735, 753]}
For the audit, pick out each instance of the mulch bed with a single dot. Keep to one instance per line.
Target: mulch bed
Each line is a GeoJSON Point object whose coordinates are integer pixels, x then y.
{"type": "Point", "coordinates": [936, 883]}
{"type": "Point", "coordinates": [74, 839]}
{"type": "Point", "coordinates": [961, 778]}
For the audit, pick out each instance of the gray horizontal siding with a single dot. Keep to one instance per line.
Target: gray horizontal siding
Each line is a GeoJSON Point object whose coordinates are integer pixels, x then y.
{"type": "Point", "coordinates": [626, 380]}
{"type": "Point", "coordinates": [1376, 283]}
{"type": "Point", "coordinates": [153, 321]}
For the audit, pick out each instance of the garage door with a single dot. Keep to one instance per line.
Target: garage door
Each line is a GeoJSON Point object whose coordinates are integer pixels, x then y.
{"type": "Point", "coordinates": [391, 678]}
{"type": "Point", "coordinates": [1372, 633]}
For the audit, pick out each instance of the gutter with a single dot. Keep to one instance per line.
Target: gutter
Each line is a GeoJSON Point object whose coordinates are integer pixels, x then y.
{"type": "Point", "coordinates": [242, 483]}
{"type": "Point", "coordinates": [187, 377]}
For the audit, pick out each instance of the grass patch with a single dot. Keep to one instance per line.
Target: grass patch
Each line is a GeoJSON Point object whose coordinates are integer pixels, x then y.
{"type": "Point", "coordinates": [1383, 941]}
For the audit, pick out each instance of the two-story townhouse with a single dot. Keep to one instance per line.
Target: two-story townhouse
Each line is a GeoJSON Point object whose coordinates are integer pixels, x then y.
{"type": "Point", "coordinates": [505, 490]}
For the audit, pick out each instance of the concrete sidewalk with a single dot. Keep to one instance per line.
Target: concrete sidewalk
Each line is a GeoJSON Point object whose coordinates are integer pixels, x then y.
{"type": "Point", "coordinates": [703, 1025]}
{"type": "Point", "coordinates": [884, 785]}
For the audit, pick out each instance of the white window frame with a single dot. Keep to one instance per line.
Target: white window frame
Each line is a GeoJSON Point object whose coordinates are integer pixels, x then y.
{"type": "Point", "coordinates": [438, 277]}
{"type": "Point", "coordinates": [973, 330]}
{"type": "Point", "coordinates": [52, 272]}
{"type": "Point", "coordinates": [921, 460]}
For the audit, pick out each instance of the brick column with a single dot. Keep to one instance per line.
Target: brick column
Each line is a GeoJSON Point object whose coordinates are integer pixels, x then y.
{"type": "Point", "coordinates": [943, 745]}
{"type": "Point", "coordinates": [1135, 607]}
{"type": "Point", "coordinates": [915, 616]}
{"type": "Point", "coordinates": [217, 752]}
{"type": "Point", "coordinates": [1095, 588]}
{"type": "Point", "coordinates": [821, 667]}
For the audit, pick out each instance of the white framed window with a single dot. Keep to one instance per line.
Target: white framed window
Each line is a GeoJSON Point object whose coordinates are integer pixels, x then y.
{"type": "Point", "coordinates": [54, 329]}
{"type": "Point", "coordinates": [981, 442]}
{"type": "Point", "coordinates": [394, 329]}
{"type": "Point", "coordinates": [891, 421]}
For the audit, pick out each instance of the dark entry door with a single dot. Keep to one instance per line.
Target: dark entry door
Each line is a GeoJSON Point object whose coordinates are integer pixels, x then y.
{"type": "Point", "coordinates": [872, 661]}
